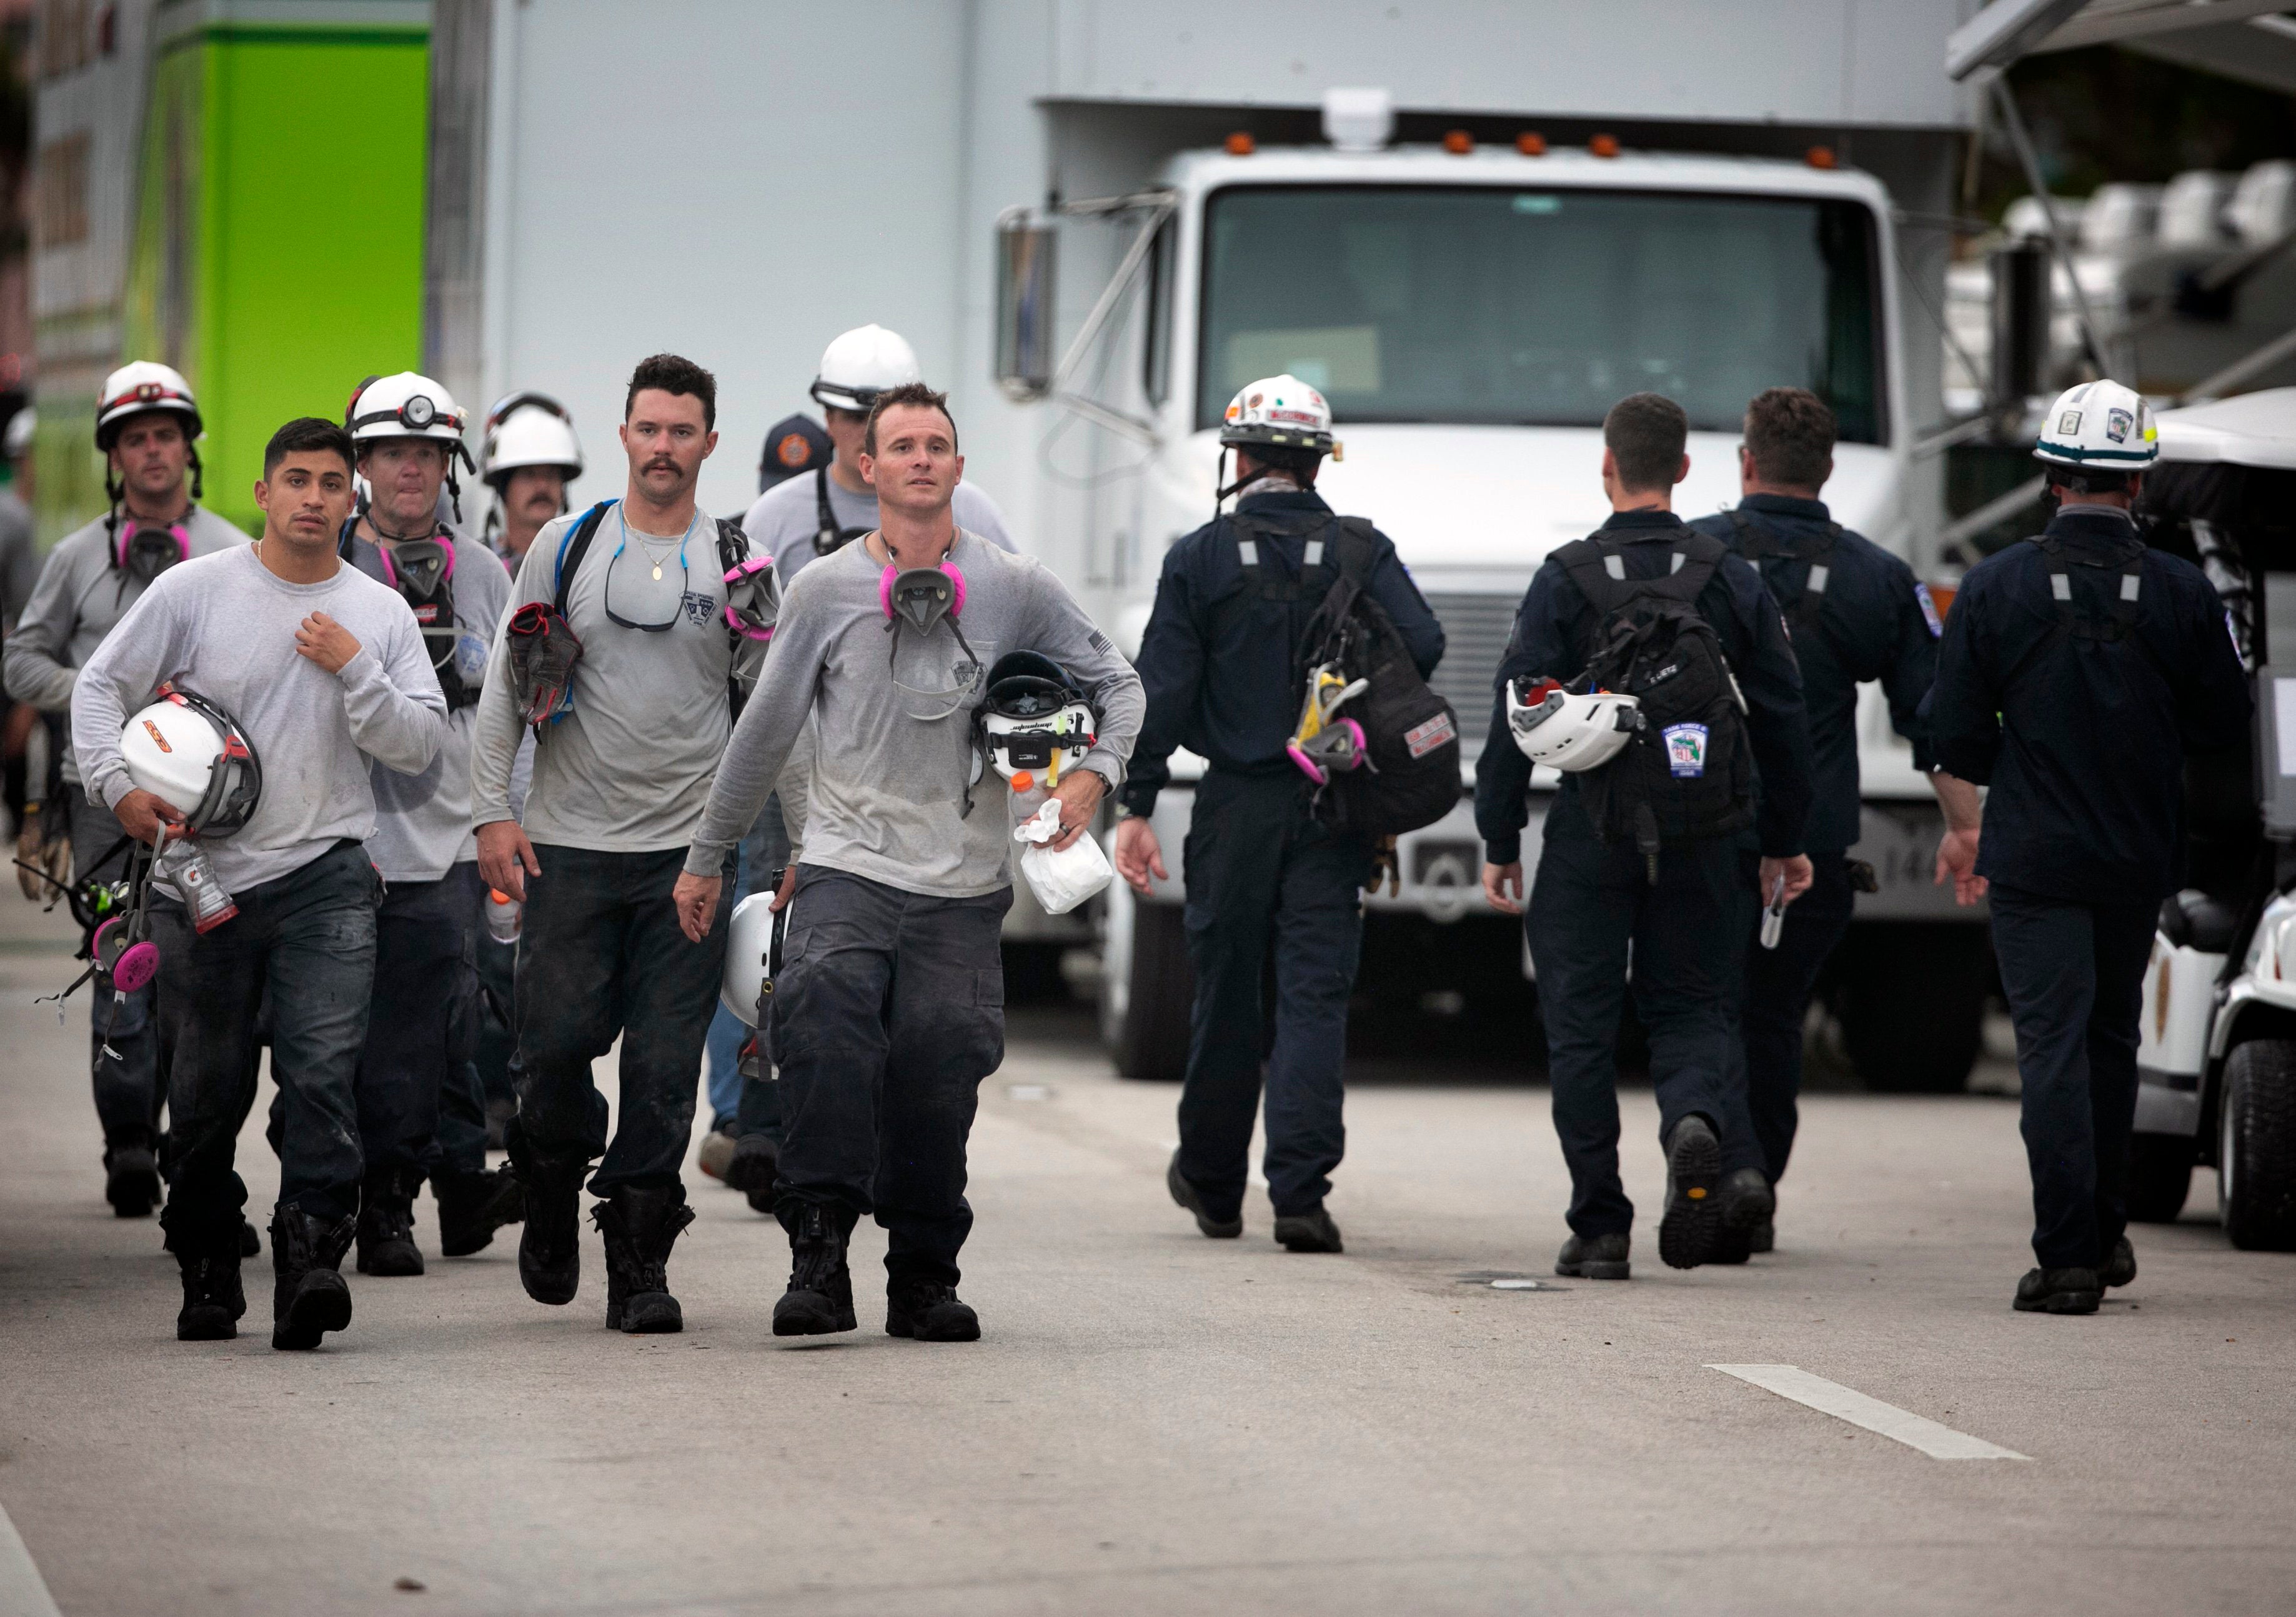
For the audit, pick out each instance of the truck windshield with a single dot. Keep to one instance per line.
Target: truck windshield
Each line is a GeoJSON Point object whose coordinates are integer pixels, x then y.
{"type": "Point", "coordinates": [1485, 305]}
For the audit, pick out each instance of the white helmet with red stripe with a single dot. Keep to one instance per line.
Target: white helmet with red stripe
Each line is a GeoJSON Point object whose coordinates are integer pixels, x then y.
{"type": "Point", "coordinates": [1283, 411]}
{"type": "Point", "coordinates": [138, 387]}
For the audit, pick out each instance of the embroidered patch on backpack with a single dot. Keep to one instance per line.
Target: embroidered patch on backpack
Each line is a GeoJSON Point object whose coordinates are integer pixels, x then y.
{"type": "Point", "coordinates": [1685, 750]}
{"type": "Point", "coordinates": [1430, 736]}
{"type": "Point", "coordinates": [1929, 610]}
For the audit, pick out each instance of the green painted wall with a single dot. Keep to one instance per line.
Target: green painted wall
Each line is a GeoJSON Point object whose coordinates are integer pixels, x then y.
{"type": "Point", "coordinates": [278, 255]}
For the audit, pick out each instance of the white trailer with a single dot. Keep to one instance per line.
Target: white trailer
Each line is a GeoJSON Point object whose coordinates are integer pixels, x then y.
{"type": "Point", "coordinates": [741, 181]}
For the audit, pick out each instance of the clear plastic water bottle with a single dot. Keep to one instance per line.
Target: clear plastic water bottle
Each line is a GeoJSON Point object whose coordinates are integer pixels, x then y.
{"type": "Point", "coordinates": [504, 915]}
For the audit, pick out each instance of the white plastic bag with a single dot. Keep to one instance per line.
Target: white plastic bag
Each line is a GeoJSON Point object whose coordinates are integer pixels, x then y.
{"type": "Point", "coordinates": [1061, 881]}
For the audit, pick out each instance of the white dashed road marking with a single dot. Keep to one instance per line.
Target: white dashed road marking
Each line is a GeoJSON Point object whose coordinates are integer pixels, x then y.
{"type": "Point", "coordinates": [23, 1592]}
{"type": "Point", "coordinates": [1845, 1403]}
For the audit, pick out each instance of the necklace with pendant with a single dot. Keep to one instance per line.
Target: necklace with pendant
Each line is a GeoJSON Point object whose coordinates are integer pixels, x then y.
{"type": "Point", "coordinates": [647, 541]}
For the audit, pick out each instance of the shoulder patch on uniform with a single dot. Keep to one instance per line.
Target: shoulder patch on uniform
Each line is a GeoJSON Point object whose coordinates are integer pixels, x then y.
{"type": "Point", "coordinates": [1102, 643]}
{"type": "Point", "coordinates": [1929, 610]}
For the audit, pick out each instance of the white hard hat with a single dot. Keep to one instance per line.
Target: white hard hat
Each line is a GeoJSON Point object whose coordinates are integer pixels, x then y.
{"type": "Point", "coordinates": [1280, 410]}
{"type": "Point", "coordinates": [1035, 719]}
{"type": "Point", "coordinates": [23, 425]}
{"type": "Point", "coordinates": [191, 755]}
{"type": "Point", "coordinates": [862, 364]}
{"type": "Point", "coordinates": [1569, 732]}
{"type": "Point", "coordinates": [749, 934]}
{"type": "Point", "coordinates": [406, 405]}
{"type": "Point", "coordinates": [133, 389]}
{"type": "Point", "coordinates": [2100, 425]}
{"type": "Point", "coordinates": [530, 429]}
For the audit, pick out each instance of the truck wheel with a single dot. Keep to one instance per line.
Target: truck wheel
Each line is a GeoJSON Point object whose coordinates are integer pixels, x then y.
{"type": "Point", "coordinates": [1150, 1041]}
{"type": "Point", "coordinates": [2256, 1152]}
{"type": "Point", "coordinates": [1913, 1006]}
{"type": "Point", "coordinates": [2160, 1175]}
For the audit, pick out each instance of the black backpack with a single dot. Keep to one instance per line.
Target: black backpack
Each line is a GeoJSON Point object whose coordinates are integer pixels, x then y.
{"type": "Point", "coordinates": [1410, 776]}
{"type": "Point", "coordinates": [1686, 775]}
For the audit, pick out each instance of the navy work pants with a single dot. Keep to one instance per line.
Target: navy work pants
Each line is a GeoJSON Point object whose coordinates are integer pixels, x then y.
{"type": "Point", "coordinates": [128, 1088]}
{"type": "Point", "coordinates": [888, 1012]}
{"type": "Point", "coordinates": [2074, 974]}
{"type": "Point", "coordinates": [1593, 910]}
{"type": "Point", "coordinates": [1259, 870]}
{"type": "Point", "coordinates": [308, 938]}
{"type": "Point", "coordinates": [418, 1089]}
{"type": "Point", "coordinates": [601, 955]}
{"type": "Point", "coordinates": [1777, 985]}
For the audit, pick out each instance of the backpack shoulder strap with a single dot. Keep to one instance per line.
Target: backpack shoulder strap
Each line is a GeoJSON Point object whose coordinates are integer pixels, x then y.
{"type": "Point", "coordinates": [572, 549]}
{"type": "Point", "coordinates": [1757, 543]}
{"type": "Point", "coordinates": [1359, 549]}
{"type": "Point", "coordinates": [732, 543]}
{"type": "Point", "coordinates": [1599, 572]}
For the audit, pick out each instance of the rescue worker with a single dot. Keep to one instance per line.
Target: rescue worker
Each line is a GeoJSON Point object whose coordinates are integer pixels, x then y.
{"type": "Point", "coordinates": [532, 456]}
{"type": "Point", "coordinates": [794, 444]}
{"type": "Point", "coordinates": [804, 518]}
{"type": "Point", "coordinates": [1658, 872]}
{"type": "Point", "coordinates": [888, 1012]}
{"type": "Point", "coordinates": [321, 670]}
{"type": "Point", "coordinates": [147, 423]}
{"type": "Point", "coordinates": [620, 775]}
{"type": "Point", "coordinates": [2078, 668]}
{"type": "Point", "coordinates": [1219, 663]}
{"type": "Point", "coordinates": [1855, 613]}
{"type": "Point", "coordinates": [421, 1111]}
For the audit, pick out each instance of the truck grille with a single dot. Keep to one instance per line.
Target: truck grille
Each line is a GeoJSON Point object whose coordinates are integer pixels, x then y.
{"type": "Point", "coordinates": [1476, 628]}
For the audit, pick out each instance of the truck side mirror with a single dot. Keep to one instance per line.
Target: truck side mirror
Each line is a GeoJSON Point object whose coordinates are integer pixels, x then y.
{"type": "Point", "coordinates": [1025, 258]}
{"type": "Point", "coordinates": [2021, 322]}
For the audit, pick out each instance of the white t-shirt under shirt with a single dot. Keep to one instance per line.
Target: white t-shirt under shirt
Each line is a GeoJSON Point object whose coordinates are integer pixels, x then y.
{"type": "Point", "coordinates": [787, 515]}
{"type": "Point", "coordinates": [224, 626]}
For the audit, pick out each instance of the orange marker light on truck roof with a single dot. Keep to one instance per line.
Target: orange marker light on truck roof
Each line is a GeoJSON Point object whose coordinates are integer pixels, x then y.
{"type": "Point", "coordinates": [1242, 144]}
{"type": "Point", "coordinates": [1531, 143]}
{"type": "Point", "coordinates": [1458, 142]}
{"type": "Point", "coordinates": [1819, 157]}
{"type": "Point", "coordinates": [1603, 145]}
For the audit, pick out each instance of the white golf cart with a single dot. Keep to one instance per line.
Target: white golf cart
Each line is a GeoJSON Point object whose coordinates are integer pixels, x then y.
{"type": "Point", "coordinates": [2216, 1060]}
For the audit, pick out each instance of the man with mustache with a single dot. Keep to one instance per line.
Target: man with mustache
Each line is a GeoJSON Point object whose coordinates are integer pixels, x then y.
{"type": "Point", "coordinates": [619, 779]}
{"type": "Point", "coordinates": [532, 455]}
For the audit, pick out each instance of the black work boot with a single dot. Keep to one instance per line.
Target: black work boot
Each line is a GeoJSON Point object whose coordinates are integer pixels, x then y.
{"type": "Point", "coordinates": [308, 1295]}
{"type": "Point", "coordinates": [213, 1299]}
{"type": "Point", "coordinates": [1747, 1203]}
{"type": "Point", "coordinates": [929, 1311]}
{"type": "Point", "coordinates": [2059, 1291]}
{"type": "Point", "coordinates": [549, 1251]}
{"type": "Point", "coordinates": [1764, 1236]}
{"type": "Point", "coordinates": [386, 1224]}
{"type": "Point", "coordinates": [2120, 1266]}
{"type": "Point", "coordinates": [251, 1244]}
{"type": "Point", "coordinates": [753, 1165]}
{"type": "Point", "coordinates": [1594, 1258]}
{"type": "Point", "coordinates": [1693, 1209]}
{"type": "Point", "coordinates": [1308, 1232]}
{"type": "Point", "coordinates": [819, 1301]}
{"type": "Point", "coordinates": [1189, 1197]}
{"type": "Point", "coordinates": [472, 1206]}
{"type": "Point", "coordinates": [131, 1175]}
{"type": "Point", "coordinates": [640, 1225]}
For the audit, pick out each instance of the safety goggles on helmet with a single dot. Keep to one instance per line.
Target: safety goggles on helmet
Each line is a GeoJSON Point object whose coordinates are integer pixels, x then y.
{"type": "Point", "coordinates": [1566, 730]}
{"type": "Point", "coordinates": [144, 550]}
{"type": "Point", "coordinates": [753, 598]}
{"type": "Point", "coordinates": [139, 386]}
{"type": "Point", "coordinates": [530, 430]}
{"type": "Point", "coordinates": [193, 756]}
{"type": "Point", "coordinates": [860, 365]}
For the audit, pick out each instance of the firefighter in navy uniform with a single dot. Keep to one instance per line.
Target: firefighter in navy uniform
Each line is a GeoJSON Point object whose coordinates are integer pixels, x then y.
{"type": "Point", "coordinates": [1217, 659]}
{"type": "Point", "coordinates": [1644, 852]}
{"type": "Point", "coordinates": [1855, 613]}
{"type": "Point", "coordinates": [2076, 671]}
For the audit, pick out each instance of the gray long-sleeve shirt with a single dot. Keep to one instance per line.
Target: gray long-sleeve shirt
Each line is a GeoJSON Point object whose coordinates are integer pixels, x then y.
{"type": "Point", "coordinates": [82, 594]}
{"type": "Point", "coordinates": [890, 720]}
{"type": "Point", "coordinates": [225, 626]}
{"type": "Point", "coordinates": [627, 769]}
{"type": "Point", "coordinates": [423, 822]}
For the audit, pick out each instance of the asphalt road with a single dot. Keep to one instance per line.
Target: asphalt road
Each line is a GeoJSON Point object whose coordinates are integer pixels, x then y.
{"type": "Point", "coordinates": [1156, 1423]}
